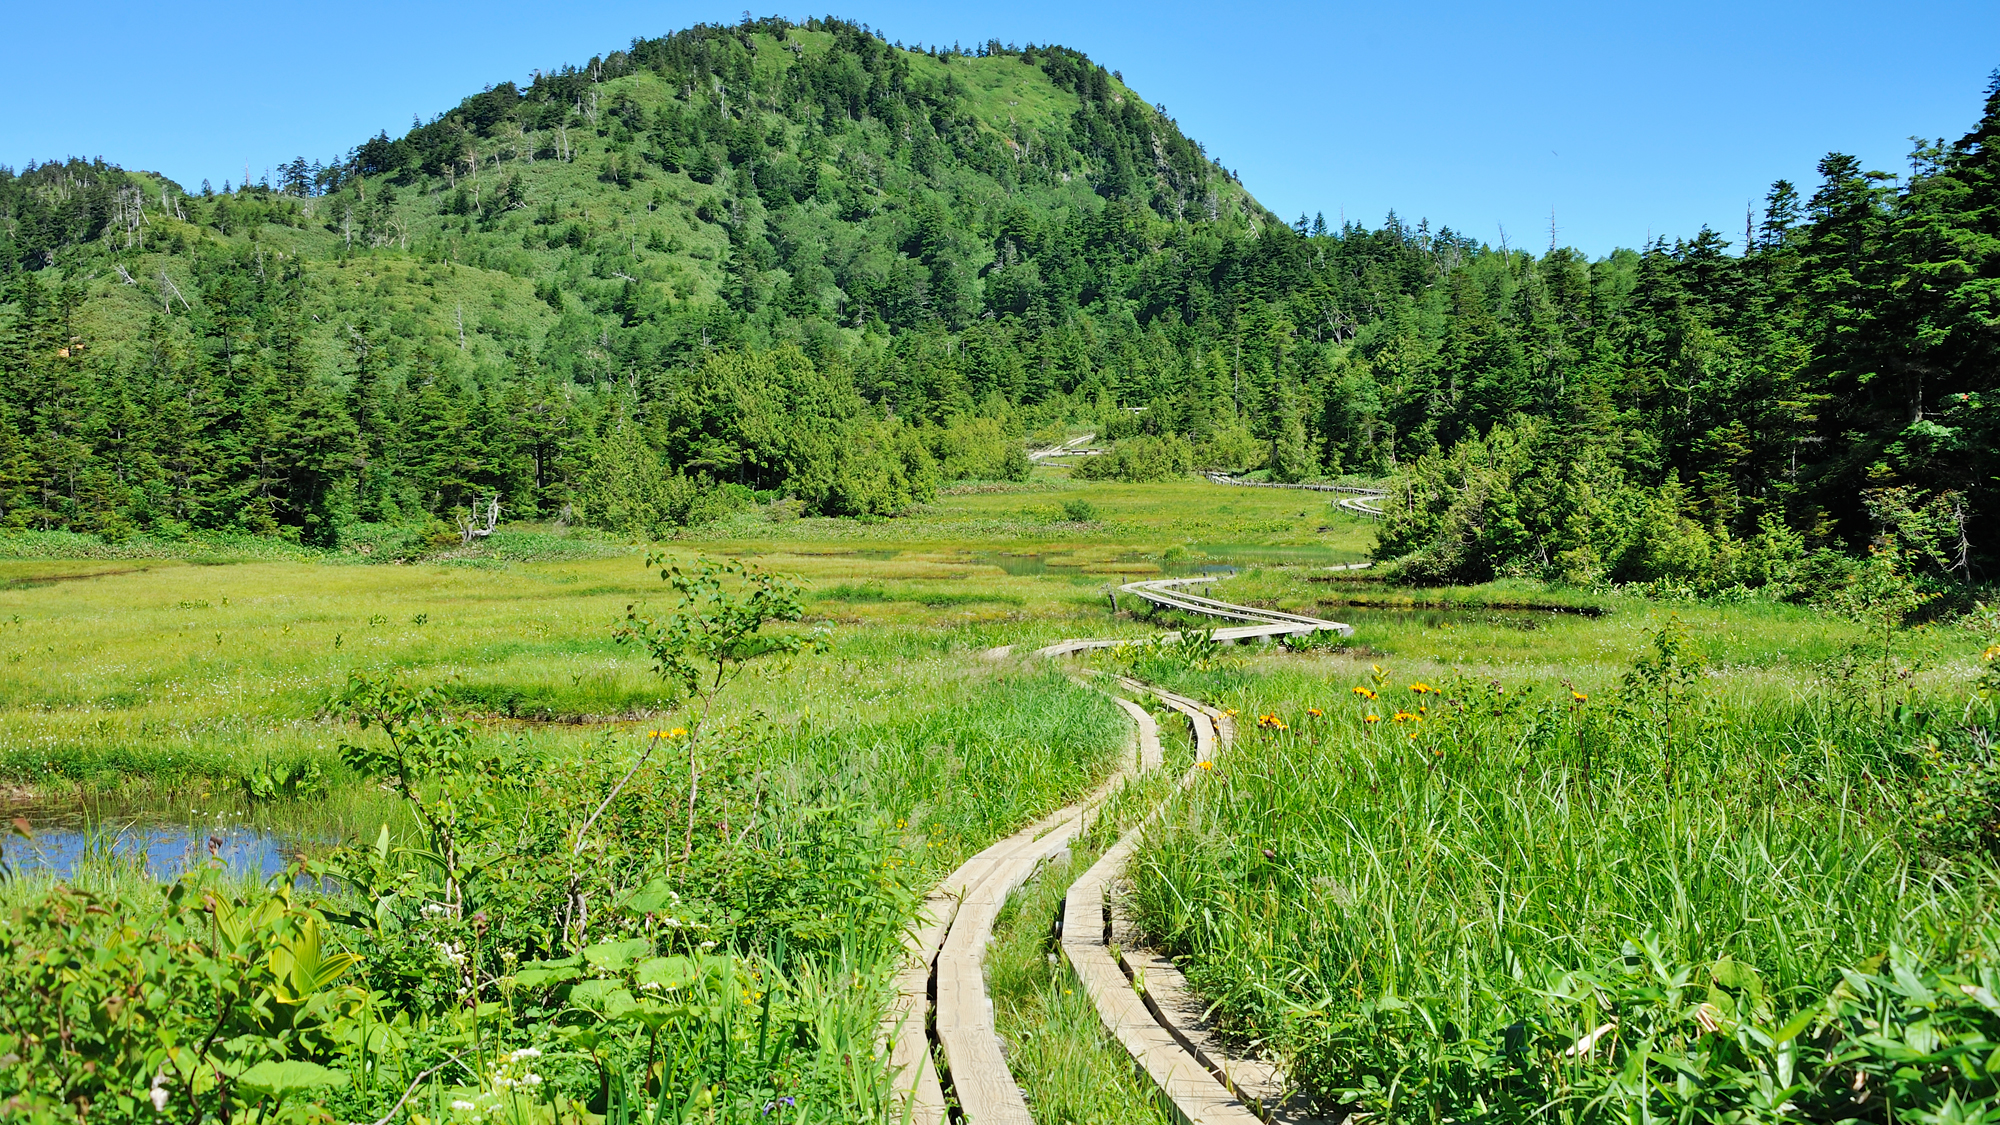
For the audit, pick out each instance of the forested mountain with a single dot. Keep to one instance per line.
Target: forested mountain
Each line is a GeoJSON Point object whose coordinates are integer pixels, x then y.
{"type": "Point", "coordinates": [798, 259]}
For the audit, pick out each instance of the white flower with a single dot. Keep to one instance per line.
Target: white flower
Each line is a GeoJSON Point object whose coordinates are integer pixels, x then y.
{"type": "Point", "coordinates": [463, 1106]}
{"type": "Point", "coordinates": [531, 1079]}
{"type": "Point", "coordinates": [708, 945]}
{"type": "Point", "coordinates": [159, 1093]}
{"type": "Point", "coordinates": [525, 1053]}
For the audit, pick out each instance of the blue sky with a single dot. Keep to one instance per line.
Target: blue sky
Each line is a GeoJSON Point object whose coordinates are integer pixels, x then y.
{"type": "Point", "coordinates": [1625, 120]}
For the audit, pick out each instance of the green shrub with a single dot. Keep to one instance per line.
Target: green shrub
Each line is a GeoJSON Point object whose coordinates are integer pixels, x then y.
{"type": "Point", "coordinates": [116, 1008]}
{"type": "Point", "coordinates": [1138, 460]}
{"type": "Point", "coordinates": [978, 449]}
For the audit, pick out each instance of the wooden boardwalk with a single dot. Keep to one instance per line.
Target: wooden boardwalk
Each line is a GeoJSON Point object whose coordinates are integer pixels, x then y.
{"type": "Point", "coordinates": [1074, 447]}
{"type": "Point", "coordinates": [941, 992]}
{"type": "Point", "coordinates": [1261, 623]}
{"type": "Point", "coordinates": [1362, 501]}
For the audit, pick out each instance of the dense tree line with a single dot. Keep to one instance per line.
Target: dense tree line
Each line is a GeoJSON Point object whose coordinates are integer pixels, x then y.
{"type": "Point", "coordinates": [782, 258]}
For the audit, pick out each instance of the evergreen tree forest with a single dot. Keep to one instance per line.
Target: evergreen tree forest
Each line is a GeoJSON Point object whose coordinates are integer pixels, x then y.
{"type": "Point", "coordinates": [768, 260]}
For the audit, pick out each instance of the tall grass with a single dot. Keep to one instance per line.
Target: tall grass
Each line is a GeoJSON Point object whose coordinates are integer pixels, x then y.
{"type": "Point", "coordinates": [1433, 913]}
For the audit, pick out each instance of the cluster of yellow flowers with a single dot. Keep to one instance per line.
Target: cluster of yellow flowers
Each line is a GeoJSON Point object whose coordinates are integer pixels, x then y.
{"type": "Point", "coordinates": [1271, 722]}
{"type": "Point", "coordinates": [677, 732]}
{"type": "Point", "coordinates": [1365, 692]}
{"type": "Point", "coordinates": [1314, 712]}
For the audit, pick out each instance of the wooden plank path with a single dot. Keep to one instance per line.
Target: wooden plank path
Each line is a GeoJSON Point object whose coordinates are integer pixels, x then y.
{"type": "Point", "coordinates": [942, 987]}
{"type": "Point", "coordinates": [1363, 501]}
{"type": "Point", "coordinates": [941, 990]}
{"type": "Point", "coordinates": [1074, 447]}
{"type": "Point", "coordinates": [1202, 1091]}
{"type": "Point", "coordinates": [1166, 592]}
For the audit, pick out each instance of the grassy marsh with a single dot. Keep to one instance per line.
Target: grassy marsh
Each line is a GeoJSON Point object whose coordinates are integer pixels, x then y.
{"type": "Point", "coordinates": [1474, 826]}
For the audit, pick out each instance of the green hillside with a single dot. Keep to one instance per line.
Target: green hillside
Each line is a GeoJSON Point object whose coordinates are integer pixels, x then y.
{"type": "Point", "coordinates": [546, 259]}
{"type": "Point", "coordinates": [745, 262]}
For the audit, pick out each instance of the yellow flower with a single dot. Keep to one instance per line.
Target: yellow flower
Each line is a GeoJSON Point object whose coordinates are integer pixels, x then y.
{"type": "Point", "coordinates": [1205, 765]}
{"type": "Point", "coordinates": [677, 732]}
{"type": "Point", "coordinates": [1420, 687]}
{"type": "Point", "coordinates": [1314, 712]}
{"type": "Point", "coordinates": [1371, 718]}
{"type": "Point", "coordinates": [1578, 696]}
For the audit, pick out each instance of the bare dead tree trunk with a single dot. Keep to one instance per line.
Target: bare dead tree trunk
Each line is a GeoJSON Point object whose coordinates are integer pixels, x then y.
{"type": "Point", "coordinates": [468, 525]}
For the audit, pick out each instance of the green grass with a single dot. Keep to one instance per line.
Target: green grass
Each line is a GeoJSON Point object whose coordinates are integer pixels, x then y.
{"type": "Point", "coordinates": [157, 669]}
{"type": "Point", "coordinates": [1347, 889]}
{"type": "Point", "coordinates": [1329, 866]}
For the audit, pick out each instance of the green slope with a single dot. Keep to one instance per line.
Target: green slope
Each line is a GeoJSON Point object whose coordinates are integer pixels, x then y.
{"type": "Point", "coordinates": [660, 188]}
{"type": "Point", "coordinates": [800, 260]}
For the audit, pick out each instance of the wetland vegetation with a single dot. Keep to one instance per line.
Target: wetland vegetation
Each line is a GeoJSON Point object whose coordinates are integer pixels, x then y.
{"type": "Point", "coordinates": [1419, 913]}
{"type": "Point", "coordinates": [503, 626]}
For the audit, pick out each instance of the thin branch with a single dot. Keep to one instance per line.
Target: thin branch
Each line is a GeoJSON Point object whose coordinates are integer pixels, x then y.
{"type": "Point", "coordinates": [613, 795]}
{"type": "Point", "coordinates": [387, 1117]}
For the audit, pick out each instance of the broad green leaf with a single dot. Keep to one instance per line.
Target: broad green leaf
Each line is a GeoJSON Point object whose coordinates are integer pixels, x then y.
{"type": "Point", "coordinates": [653, 898]}
{"type": "Point", "coordinates": [615, 955]}
{"type": "Point", "coordinates": [536, 974]}
{"type": "Point", "coordinates": [606, 996]}
{"type": "Point", "coordinates": [290, 1076]}
{"type": "Point", "coordinates": [667, 972]}
{"type": "Point", "coordinates": [1735, 974]}
{"type": "Point", "coordinates": [1794, 1026]}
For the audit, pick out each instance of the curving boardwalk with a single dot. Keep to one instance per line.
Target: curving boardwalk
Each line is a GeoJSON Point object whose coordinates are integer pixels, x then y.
{"type": "Point", "coordinates": [941, 993]}
{"type": "Point", "coordinates": [1365, 502]}
{"type": "Point", "coordinates": [1074, 447]}
{"type": "Point", "coordinates": [1262, 623]}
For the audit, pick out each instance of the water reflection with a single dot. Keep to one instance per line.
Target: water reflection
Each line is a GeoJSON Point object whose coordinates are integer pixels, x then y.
{"type": "Point", "coordinates": [159, 839]}
{"type": "Point", "coordinates": [161, 851]}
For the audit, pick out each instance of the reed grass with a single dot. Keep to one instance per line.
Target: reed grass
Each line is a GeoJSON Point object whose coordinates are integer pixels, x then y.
{"type": "Point", "coordinates": [1460, 865]}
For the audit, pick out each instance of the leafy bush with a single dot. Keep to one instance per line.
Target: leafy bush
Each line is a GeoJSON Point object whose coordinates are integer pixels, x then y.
{"type": "Point", "coordinates": [116, 1009]}
{"type": "Point", "coordinates": [1138, 459]}
{"type": "Point", "coordinates": [1079, 510]}
{"type": "Point", "coordinates": [978, 449]}
{"type": "Point", "coordinates": [1231, 448]}
{"type": "Point", "coordinates": [1527, 500]}
{"type": "Point", "coordinates": [628, 488]}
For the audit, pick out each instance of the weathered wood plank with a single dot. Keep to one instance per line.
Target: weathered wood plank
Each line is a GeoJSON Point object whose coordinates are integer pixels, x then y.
{"type": "Point", "coordinates": [1198, 1096]}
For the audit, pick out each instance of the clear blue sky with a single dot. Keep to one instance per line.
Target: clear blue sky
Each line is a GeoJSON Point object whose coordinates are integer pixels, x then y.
{"type": "Point", "coordinates": [1624, 119]}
